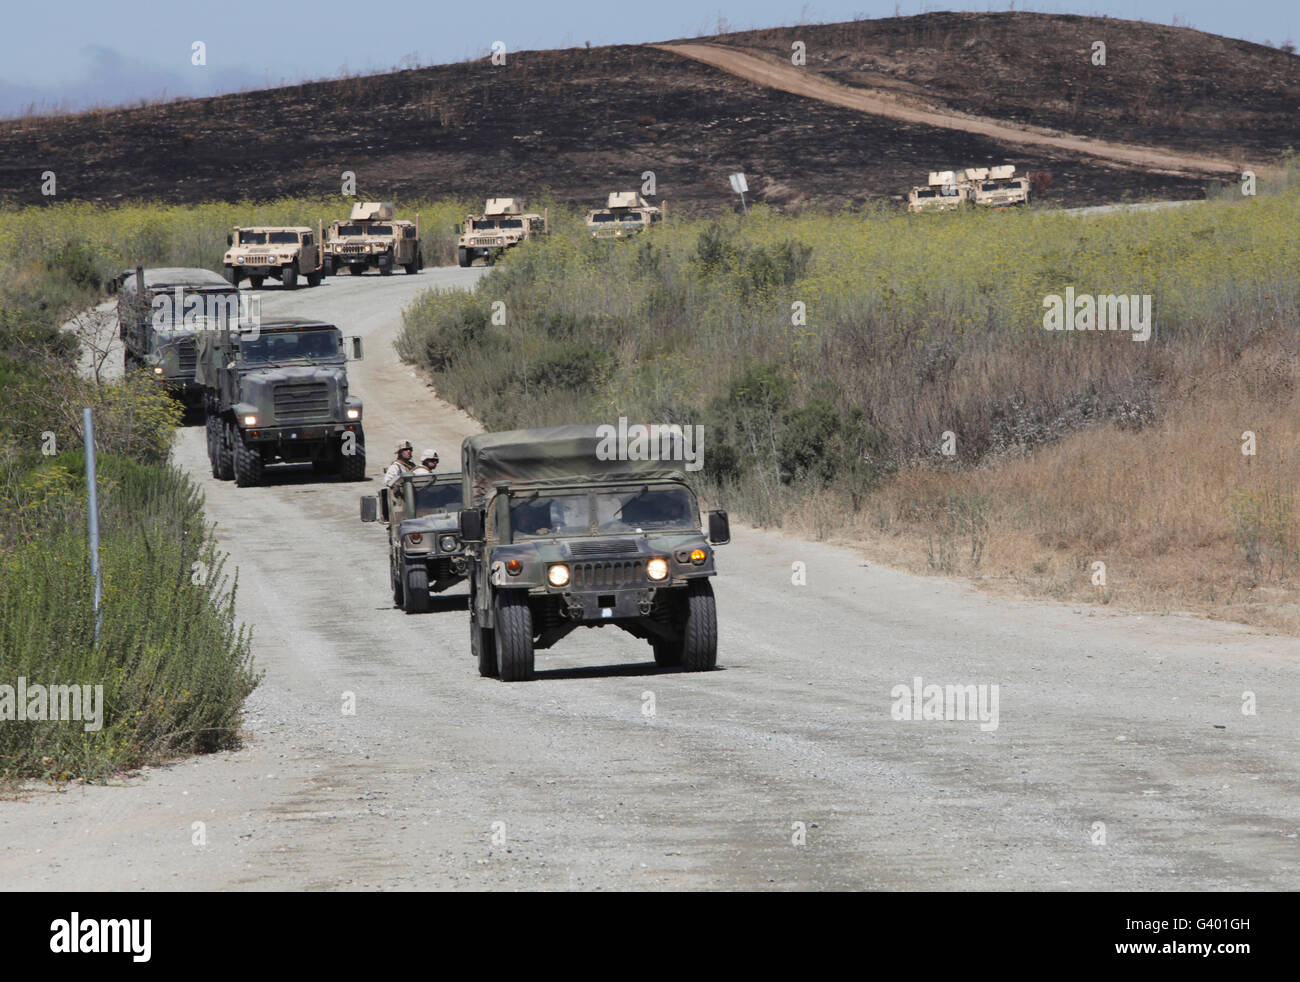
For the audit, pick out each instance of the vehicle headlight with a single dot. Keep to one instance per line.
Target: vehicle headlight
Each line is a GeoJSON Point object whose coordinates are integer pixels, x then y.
{"type": "Point", "coordinates": [157, 369]}
{"type": "Point", "coordinates": [354, 414]}
{"type": "Point", "coordinates": [248, 420]}
{"type": "Point", "coordinates": [657, 569]}
{"type": "Point", "coordinates": [447, 543]}
{"type": "Point", "coordinates": [558, 575]}
{"type": "Point", "coordinates": [239, 259]}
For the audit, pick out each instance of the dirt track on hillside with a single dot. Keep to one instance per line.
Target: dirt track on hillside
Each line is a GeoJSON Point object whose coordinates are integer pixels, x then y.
{"type": "Point", "coordinates": [772, 73]}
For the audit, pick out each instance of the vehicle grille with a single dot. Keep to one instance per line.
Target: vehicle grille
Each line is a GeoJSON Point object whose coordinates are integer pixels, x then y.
{"type": "Point", "coordinates": [608, 574]}
{"type": "Point", "coordinates": [487, 242]}
{"type": "Point", "coordinates": [301, 402]}
{"type": "Point", "coordinates": [602, 547]}
{"type": "Point", "coordinates": [188, 355]}
{"type": "Point", "coordinates": [259, 260]}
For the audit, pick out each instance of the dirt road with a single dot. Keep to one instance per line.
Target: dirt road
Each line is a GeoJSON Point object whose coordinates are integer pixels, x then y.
{"type": "Point", "coordinates": [782, 770]}
{"type": "Point", "coordinates": [777, 74]}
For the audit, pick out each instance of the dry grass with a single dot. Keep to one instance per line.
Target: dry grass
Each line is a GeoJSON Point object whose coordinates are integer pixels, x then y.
{"type": "Point", "coordinates": [1181, 518]}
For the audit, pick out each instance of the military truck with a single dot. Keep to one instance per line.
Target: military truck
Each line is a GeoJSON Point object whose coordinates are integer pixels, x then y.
{"type": "Point", "coordinates": [560, 538]}
{"type": "Point", "coordinates": [625, 214]}
{"type": "Point", "coordinates": [997, 187]}
{"type": "Point", "coordinates": [503, 224]}
{"type": "Point", "coordinates": [945, 191]}
{"type": "Point", "coordinates": [282, 252]}
{"type": "Point", "coordinates": [372, 238]}
{"type": "Point", "coordinates": [161, 312]}
{"type": "Point", "coordinates": [425, 551]}
{"type": "Point", "coordinates": [277, 392]}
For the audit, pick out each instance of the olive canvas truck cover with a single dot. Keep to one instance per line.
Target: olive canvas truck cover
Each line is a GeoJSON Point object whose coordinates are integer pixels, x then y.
{"type": "Point", "coordinates": [559, 454]}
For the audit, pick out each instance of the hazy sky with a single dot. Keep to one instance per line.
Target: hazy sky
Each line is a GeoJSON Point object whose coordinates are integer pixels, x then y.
{"type": "Point", "coordinates": [79, 53]}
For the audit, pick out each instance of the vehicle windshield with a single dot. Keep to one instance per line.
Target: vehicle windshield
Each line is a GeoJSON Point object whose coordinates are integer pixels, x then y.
{"type": "Point", "coordinates": [252, 238]}
{"type": "Point", "coordinates": [482, 223]}
{"type": "Point", "coordinates": [381, 230]}
{"type": "Point", "coordinates": [925, 193]}
{"type": "Point", "coordinates": [430, 498]}
{"type": "Point", "coordinates": [290, 346]}
{"type": "Point", "coordinates": [283, 238]}
{"type": "Point", "coordinates": [351, 230]}
{"type": "Point", "coordinates": [645, 507]}
{"type": "Point", "coordinates": [603, 216]}
{"type": "Point", "coordinates": [512, 223]}
{"type": "Point", "coordinates": [628, 509]}
{"type": "Point", "coordinates": [550, 514]}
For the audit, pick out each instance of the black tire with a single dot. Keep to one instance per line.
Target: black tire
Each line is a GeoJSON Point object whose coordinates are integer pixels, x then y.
{"type": "Point", "coordinates": [700, 628]}
{"type": "Point", "coordinates": [313, 278]}
{"type": "Point", "coordinates": [211, 424]}
{"type": "Point", "coordinates": [386, 268]}
{"type": "Point", "coordinates": [352, 466]}
{"type": "Point", "coordinates": [410, 267]}
{"type": "Point", "coordinates": [667, 653]}
{"type": "Point", "coordinates": [232, 275]}
{"type": "Point", "coordinates": [419, 260]}
{"type": "Point", "coordinates": [325, 465]}
{"type": "Point", "coordinates": [225, 453]}
{"type": "Point", "coordinates": [248, 464]}
{"type": "Point", "coordinates": [328, 268]}
{"type": "Point", "coordinates": [484, 645]}
{"type": "Point", "coordinates": [257, 281]}
{"type": "Point", "coordinates": [289, 277]}
{"type": "Point", "coordinates": [514, 636]}
{"type": "Point", "coordinates": [399, 594]}
{"type": "Point", "coordinates": [463, 257]}
{"type": "Point", "coordinates": [417, 590]}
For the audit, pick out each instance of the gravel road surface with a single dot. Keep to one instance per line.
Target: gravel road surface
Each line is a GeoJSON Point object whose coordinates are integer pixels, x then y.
{"type": "Point", "coordinates": [784, 769]}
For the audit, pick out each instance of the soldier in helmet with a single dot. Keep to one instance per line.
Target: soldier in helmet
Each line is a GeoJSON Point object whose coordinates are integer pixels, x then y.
{"type": "Point", "coordinates": [428, 462]}
{"type": "Point", "coordinates": [402, 465]}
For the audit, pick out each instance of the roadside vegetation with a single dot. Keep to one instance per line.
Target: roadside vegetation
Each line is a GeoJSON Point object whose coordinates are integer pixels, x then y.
{"type": "Point", "coordinates": [94, 242]}
{"type": "Point", "coordinates": [886, 379]}
{"type": "Point", "coordinates": [174, 665]}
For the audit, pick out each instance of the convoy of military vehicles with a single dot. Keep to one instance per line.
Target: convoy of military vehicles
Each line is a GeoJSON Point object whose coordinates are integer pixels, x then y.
{"type": "Point", "coordinates": [985, 187]}
{"type": "Point", "coordinates": [549, 534]}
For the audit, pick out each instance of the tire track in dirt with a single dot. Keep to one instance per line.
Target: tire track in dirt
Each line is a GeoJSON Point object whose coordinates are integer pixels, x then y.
{"type": "Point", "coordinates": [774, 74]}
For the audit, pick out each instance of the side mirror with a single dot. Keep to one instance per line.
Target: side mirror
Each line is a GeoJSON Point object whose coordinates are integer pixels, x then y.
{"type": "Point", "coordinates": [458, 231]}
{"type": "Point", "coordinates": [471, 525]}
{"type": "Point", "coordinates": [719, 528]}
{"type": "Point", "coordinates": [356, 349]}
{"type": "Point", "coordinates": [369, 508]}
{"type": "Point", "coordinates": [230, 240]}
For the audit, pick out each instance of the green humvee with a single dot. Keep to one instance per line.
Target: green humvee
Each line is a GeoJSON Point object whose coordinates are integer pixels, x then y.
{"type": "Point", "coordinates": [561, 538]}
{"type": "Point", "coordinates": [425, 551]}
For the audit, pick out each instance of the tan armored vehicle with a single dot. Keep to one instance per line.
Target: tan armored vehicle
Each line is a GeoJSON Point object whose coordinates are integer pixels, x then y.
{"type": "Point", "coordinates": [625, 213]}
{"type": "Point", "coordinates": [503, 224]}
{"type": "Point", "coordinates": [946, 190]}
{"type": "Point", "coordinates": [282, 252]}
{"type": "Point", "coordinates": [997, 187]}
{"type": "Point", "coordinates": [372, 238]}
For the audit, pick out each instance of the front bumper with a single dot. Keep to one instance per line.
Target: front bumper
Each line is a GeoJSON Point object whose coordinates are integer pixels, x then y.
{"type": "Point", "coordinates": [290, 435]}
